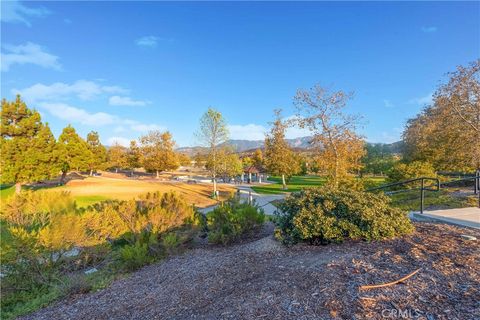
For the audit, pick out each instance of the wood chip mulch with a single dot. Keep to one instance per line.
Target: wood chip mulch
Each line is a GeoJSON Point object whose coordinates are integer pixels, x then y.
{"type": "Point", "coordinates": [262, 279]}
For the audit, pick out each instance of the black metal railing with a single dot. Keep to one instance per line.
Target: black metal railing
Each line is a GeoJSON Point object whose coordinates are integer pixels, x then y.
{"type": "Point", "coordinates": [431, 187]}
{"type": "Point", "coordinates": [423, 187]}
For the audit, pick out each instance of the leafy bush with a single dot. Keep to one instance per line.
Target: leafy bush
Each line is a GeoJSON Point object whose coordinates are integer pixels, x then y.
{"type": "Point", "coordinates": [39, 228]}
{"type": "Point", "coordinates": [134, 256]}
{"type": "Point", "coordinates": [412, 170]}
{"type": "Point", "coordinates": [232, 219]}
{"type": "Point", "coordinates": [323, 215]}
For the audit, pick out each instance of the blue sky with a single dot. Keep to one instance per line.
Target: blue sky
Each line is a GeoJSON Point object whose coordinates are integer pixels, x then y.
{"type": "Point", "coordinates": [123, 68]}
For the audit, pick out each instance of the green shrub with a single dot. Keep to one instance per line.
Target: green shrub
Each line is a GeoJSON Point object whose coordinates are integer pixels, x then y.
{"type": "Point", "coordinates": [323, 215]}
{"type": "Point", "coordinates": [412, 170]}
{"type": "Point", "coordinates": [232, 219]}
{"type": "Point", "coordinates": [134, 256]}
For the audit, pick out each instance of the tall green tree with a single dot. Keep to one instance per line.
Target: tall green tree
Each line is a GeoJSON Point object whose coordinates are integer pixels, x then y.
{"type": "Point", "coordinates": [133, 156]}
{"type": "Point", "coordinates": [26, 145]}
{"type": "Point", "coordinates": [98, 152]}
{"type": "Point", "coordinates": [212, 133]}
{"type": "Point", "coordinates": [73, 152]}
{"type": "Point", "coordinates": [279, 157]}
{"type": "Point", "coordinates": [157, 152]}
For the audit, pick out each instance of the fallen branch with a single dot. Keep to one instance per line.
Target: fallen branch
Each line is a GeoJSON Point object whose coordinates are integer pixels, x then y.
{"type": "Point", "coordinates": [374, 286]}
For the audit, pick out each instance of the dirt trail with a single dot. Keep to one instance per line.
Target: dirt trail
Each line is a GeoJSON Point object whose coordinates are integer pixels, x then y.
{"type": "Point", "coordinates": [265, 280]}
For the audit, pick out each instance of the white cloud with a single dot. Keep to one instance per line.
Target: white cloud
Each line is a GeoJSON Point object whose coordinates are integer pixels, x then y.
{"type": "Point", "coordinates": [15, 12]}
{"type": "Point", "coordinates": [118, 140]}
{"type": "Point", "coordinates": [126, 101]}
{"type": "Point", "coordinates": [257, 132]}
{"type": "Point", "coordinates": [388, 104]}
{"type": "Point", "coordinates": [119, 129]}
{"type": "Point", "coordinates": [247, 132]}
{"type": "Point", "coordinates": [29, 53]}
{"type": "Point", "coordinates": [140, 127]}
{"type": "Point", "coordinates": [429, 29]}
{"type": "Point", "coordinates": [147, 41]}
{"type": "Point", "coordinates": [421, 101]}
{"type": "Point", "coordinates": [81, 89]}
{"type": "Point", "coordinates": [76, 115]}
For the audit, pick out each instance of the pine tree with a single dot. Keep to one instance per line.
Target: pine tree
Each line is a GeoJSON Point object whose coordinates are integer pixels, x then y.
{"type": "Point", "coordinates": [133, 156]}
{"type": "Point", "coordinates": [73, 152]}
{"type": "Point", "coordinates": [26, 145]}
{"type": "Point", "coordinates": [98, 152]}
{"type": "Point", "coordinates": [157, 152]}
{"type": "Point", "coordinates": [279, 157]}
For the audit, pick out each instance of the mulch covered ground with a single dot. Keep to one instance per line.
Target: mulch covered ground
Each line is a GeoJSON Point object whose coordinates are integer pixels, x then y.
{"type": "Point", "coordinates": [262, 279]}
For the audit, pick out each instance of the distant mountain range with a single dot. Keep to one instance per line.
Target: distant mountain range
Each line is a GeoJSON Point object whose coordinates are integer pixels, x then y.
{"type": "Point", "coordinates": [298, 143]}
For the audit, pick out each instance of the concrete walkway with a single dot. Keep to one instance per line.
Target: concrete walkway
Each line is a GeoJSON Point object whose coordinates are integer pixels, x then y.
{"type": "Point", "coordinates": [466, 217]}
{"type": "Point", "coordinates": [263, 200]}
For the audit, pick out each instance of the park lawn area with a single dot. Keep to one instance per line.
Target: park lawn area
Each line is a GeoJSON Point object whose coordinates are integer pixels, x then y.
{"type": "Point", "coordinates": [298, 183]}
{"type": "Point", "coordinates": [410, 200]}
{"type": "Point", "coordinates": [91, 190]}
{"type": "Point", "coordinates": [295, 184]}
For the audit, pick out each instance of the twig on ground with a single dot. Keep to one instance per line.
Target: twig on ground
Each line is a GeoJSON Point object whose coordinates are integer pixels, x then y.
{"type": "Point", "coordinates": [374, 286]}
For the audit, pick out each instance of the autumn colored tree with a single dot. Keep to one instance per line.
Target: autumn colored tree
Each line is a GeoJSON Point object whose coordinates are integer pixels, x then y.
{"type": "Point", "coordinates": [184, 159]}
{"type": "Point", "coordinates": [73, 151]}
{"type": "Point", "coordinates": [157, 152]}
{"type": "Point", "coordinates": [258, 158]}
{"type": "Point", "coordinates": [27, 145]}
{"type": "Point", "coordinates": [211, 134]}
{"type": "Point", "coordinates": [279, 157]}
{"type": "Point", "coordinates": [228, 163]}
{"type": "Point", "coordinates": [98, 152]}
{"type": "Point", "coordinates": [117, 157]}
{"type": "Point", "coordinates": [339, 148]}
{"type": "Point", "coordinates": [447, 133]}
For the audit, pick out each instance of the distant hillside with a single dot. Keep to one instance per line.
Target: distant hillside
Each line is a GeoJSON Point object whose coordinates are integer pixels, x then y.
{"type": "Point", "coordinates": [298, 143]}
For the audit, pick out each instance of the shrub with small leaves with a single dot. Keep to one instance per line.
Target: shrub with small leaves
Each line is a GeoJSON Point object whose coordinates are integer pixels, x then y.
{"type": "Point", "coordinates": [324, 215]}
{"type": "Point", "coordinates": [232, 219]}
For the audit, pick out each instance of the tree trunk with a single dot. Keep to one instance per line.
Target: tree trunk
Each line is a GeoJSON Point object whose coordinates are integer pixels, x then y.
{"type": "Point", "coordinates": [158, 176]}
{"type": "Point", "coordinates": [62, 178]}
{"type": "Point", "coordinates": [91, 172]}
{"type": "Point", "coordinates": [116, 170]}
{"type": "Point", "coordinates": [284, 184]}
{"type": "Point", "coordinates": [18, 187]}
{"type": "Point", "coordinates": [214, 186]}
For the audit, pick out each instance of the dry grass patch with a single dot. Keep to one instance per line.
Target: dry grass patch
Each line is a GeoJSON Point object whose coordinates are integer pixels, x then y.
{"type": "Point", "coordinates": [124, 189]}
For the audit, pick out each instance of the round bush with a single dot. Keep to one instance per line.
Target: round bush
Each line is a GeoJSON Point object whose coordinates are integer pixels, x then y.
{"type": "Point", "coordinates": [323, 215]}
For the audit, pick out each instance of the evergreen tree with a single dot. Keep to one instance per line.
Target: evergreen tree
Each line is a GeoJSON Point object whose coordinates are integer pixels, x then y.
{"type": "Point", "coordinates": [133, 156]}
{"type": "Point", "coordinates": [98, 152]}
{"type": "Point", "coordinates": [26, 145]}
{"type": "Point", "coordinates": [73, 152]}
{"type": "Point", "coordinates": [157, 152]}
{"type": "Point", "coordinates": [279, 157]}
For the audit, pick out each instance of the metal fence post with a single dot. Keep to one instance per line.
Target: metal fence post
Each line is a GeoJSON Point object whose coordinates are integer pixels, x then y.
{"type": "Point", "coordinates": [422, 196]}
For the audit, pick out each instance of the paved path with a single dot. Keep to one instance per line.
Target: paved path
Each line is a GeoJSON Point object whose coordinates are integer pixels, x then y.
{"type": "Point", "coordinates": [263, 200]}
{"type": "Point", "coordinates": [466, 217]}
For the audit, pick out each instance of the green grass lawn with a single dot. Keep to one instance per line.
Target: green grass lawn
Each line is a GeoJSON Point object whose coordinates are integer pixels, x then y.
{"type": "Point", "coordinates": [410, 200]}
{"type": "Point", "coordinates": [82, 201]}
{"type": "Point", "coordinates": [298, 183]}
